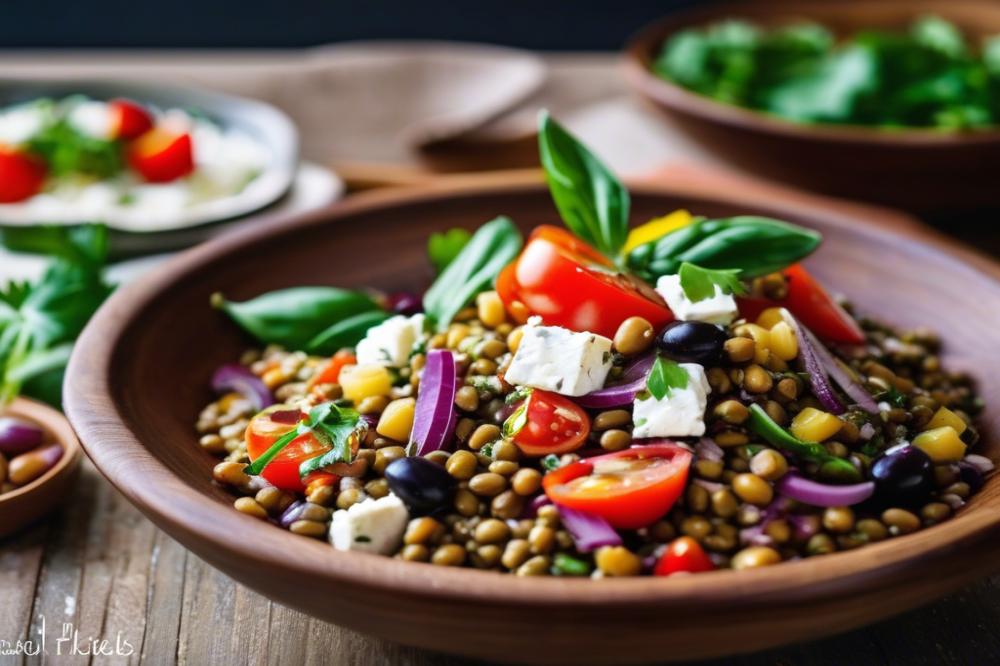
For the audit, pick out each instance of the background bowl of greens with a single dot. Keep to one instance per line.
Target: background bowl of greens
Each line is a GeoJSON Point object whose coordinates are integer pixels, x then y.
{"type": "Point", "coordinates": [893, 102]}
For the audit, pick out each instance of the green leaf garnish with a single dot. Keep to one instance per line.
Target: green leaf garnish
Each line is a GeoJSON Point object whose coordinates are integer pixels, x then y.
{"type": "Point", "coordinates": [516, 421]}
{"type": "Point", "coordinates": [830, 466]}
{"type": "Point", "coordinates": [699, 283]}
{"type": "Point", "coordinates": [665, 376]}
{"type": "Point", "coordinates": [591, 200]}
{"type": "Point", "coordinates": [550, 462]}
{"type": "Point", "coordinates": [442, 248]}
{"type": "Point", "coordinates": [493, 246]}
{"type": "Point", "coordinates": [753, 245]}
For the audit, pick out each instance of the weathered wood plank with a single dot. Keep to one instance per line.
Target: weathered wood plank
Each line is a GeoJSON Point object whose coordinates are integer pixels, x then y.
{"type": "Point", "coordinates": [165, 597]}
{"type": "Point", "coordinates": [20, 566]}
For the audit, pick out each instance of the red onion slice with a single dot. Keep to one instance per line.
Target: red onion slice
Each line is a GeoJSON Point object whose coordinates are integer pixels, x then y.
{"type": "Point", "coordinates": [18, 436]}
{"type": "Point", "coordinates": [435, 417]}
{"type": "Point", "coordinates": [820, 494]}
{"type": "Point", "coordinates": [633, 381]}
{"type": "Point", "coordinates": [589, 532]}
{"type": "Point", "coordinates": [818, 379]}
{"type": "Point", "coordinates": [238, 378]}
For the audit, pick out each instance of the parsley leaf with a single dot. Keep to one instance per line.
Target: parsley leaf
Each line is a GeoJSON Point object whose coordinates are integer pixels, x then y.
{"type": "Point", "coordinates": [442, 248]}
{"type": "Point", "coordinates": [699, 283]}
{"type": "Point", "coordinates": [665, 376]}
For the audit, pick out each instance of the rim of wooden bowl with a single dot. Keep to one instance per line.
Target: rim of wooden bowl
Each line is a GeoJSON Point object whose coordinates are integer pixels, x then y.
{"type": "Point", "coordinates": [640, 52]}
{"type": "Point", "coordinates": [57, 426]}
{"type": "Point", "coordinates": [183, 510]}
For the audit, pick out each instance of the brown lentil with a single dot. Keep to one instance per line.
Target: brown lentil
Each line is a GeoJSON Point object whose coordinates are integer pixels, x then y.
{"type": "Point", "coordinates": [872, 529]}
{"type": "Point", "coordinates": [483, 435]}
{"type": "Point", "coordinates": [613, 418]}
{"type": "Point", "coordinates": [754, 557]}
{"type": "Point", "coordinates": [753, 489]}
{"type": "Point", "coordinates": [507, 505]}
{"type": "Point", "coordinates": [536, 566]}
{"type": "Point", "coordinates": [739, 349]}
{"type": "Point", "coordinates": [757, 380]}
{"type": "Point", "coordinates": [466, 503]}
{"type": "Point", "coordinates": [724, 503]}
{"type": "Point", "coordinates": [415, 552]}
{"type": "Point", "coordinates": [467, 399]}
{"type": "Point", "coordinates": [487, 484]}
{"type": "Point", "coordinates": [492, 530]}
{"type": "Point", "coordinates": [506, 450]}
{"type": "Point", "coordinates": [515, 553]}
{"type": "Point", "coordinates": [900, 521]}
{"type": "Point", "coordinates": [373, 404]}
{"type": "Point", "coordinates": [838, 519]}
{"type": "Point", "coordinates": [250, 507]}
{"type": "Point", "coordinates": [732, 411]}
{"type": "Point", "coordinates": [526, 481]}
{"type": "Point", "coordinates": [618, 561]}
{"type": "Point", "coordinates": [769, 465]}
{"type": "Point", "coordinates": [309, 528]}
{"type": "Point", "coordinates": [461, 465]}
{"type": "Point", "coordinates": [503, 467]}
{"type": "Point", "coordinates": [448, 555]}
{"type": "Point", "coordinates": [615, 440]}
{"type": "Point", "coordinates": [634, 336]}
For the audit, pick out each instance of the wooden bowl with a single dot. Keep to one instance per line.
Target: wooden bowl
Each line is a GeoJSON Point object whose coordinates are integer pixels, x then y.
{"type": "Point", "coordinates": [27, 504]}
{"type": "Point", "coordinates": [139, 377]}
{"type": "Point", "coordinates": [921, 170]}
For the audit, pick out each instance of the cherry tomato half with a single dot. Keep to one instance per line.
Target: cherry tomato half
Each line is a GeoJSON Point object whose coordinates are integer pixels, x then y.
{"type": "Point", "coordinates": [330, 374]}
{"type": "Point", "coordinates": [811, 305]}
{"type": "Point", "coordinates": [21, 175]}
{"type": "Point", "coordinates": [630, 489]}
{"type": "Point", "coordinates": [569, 284]}
{"type": "Point", "coordinates": [161, 156]}
{"type": "Point", "coordinates": [683, 555]}
{"type": "Point", "coordinates": [128, 119]}
{"type": "Point", "coordinates": [283, 470]}
{"type": "Point", "coordinates": [553, 425]}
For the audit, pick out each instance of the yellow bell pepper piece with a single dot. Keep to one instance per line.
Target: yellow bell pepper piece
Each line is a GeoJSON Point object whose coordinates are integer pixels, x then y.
{"type": "Point", "coordinates": [945, 417]}
{"type": "Point", "coordinates": [941, 444]}
{"type": "Point", "coordinates": [814, 425]}
{"type": "Point", "coordinates": [655, 228]}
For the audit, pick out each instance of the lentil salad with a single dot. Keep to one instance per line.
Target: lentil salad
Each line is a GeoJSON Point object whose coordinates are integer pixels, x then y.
{"type": "Point", "coordinates": [719, 409]}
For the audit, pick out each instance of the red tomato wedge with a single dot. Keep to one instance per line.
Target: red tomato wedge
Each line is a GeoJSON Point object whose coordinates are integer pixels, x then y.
{"type": "Point", "coordinates": [283, 471]}
{"type": "Point", "coordinates": [630, 489]}
{"type": "Point", "coordinates": [330, 374]}
{"type": "Point", "coordinates": [161, 156]}
{"type": "Point", "coordinates": [21, 175]}
{"type": "Point", "coordinates": [683, 555]}
{"type": "Point", "coordinates": [570, 284]}
{"type": "Point", "coordinates": [811, 305]}
{"type": "Point", "coordinates": [553, 424]}
{"type": "Point", "coordinates": [128, 119]}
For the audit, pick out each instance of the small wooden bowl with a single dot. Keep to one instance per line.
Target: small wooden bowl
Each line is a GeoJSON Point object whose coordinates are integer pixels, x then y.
{"type": "Point", "coordinates": [27, 504]}
{"type": "Point", "coordinates": [913, 169]}
{"type": "Point", "coordinates": [140, 373]}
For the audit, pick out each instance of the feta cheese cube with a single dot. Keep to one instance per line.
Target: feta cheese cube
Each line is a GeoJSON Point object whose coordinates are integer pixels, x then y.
{"type": "Point", "coordinates": [719, 309]}
{"type": "Point", "coordinates": [681, 413]}
{"type": "Point", "coordinates": [92, 119]}
{"type": "Point", "coordinates": [391, 342]}
{"type": "Point", "coordinates": [558, 359]}
{"type": "Point", "coordinates": [371, 526]}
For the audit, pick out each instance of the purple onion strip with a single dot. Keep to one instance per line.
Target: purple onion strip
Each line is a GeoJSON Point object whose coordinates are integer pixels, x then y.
{"type": "Point", "coordinates": [238, 378]}
{"type": "Point", "coordinates": [589, 532]}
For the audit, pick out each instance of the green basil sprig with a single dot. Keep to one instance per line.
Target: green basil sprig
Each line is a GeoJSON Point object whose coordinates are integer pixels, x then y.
{"type": "Point", "coordinates": [699, 283]}
{"type": "Point", "coordinates": [443, 247]}
{"type": "Point", "coordinates": [591, 200]}
{"type": "Point", "coordinates": [493, 246]}
{"type": "Point", "coordinates": [329, 424]}
{"type": "Point", "coordinates": [753, 245]}
{"type": "Point", "coordinates": [303, 317]}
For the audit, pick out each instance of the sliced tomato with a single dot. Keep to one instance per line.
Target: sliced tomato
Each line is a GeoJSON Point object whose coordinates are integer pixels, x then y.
{"type": "Point", "coordinates": [570, 284]}
{"type": "Point", "coordinates": [283, 470]}
{"type": "Point", "coordinates": [161, 156]}
{"type": "Point", "coordinates": [683, 555]}
{"type": "Point", "coordinates": [811, 305]}
{"type": "Point", "coordinates": [21, 175]}
{"type": "Point", "coordinates": [330, 374]}
{"type": "Point", "coordinates": [630, 489]}
{"type": "Point", "coordinates": [128, 119]}
{"type": "Point", "coordinates": [552, 424]}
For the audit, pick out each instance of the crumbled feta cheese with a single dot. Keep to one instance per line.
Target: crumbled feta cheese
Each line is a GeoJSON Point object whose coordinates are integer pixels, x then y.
{"type": "Point", "coordinates": [557, 359]}
{"type": "Point", "coordinates": [719, 309]}
{"type": "Point", "coordinates": [92, 119]}
{"type": "Point", "coordinates": [371, 526]}
{"type": "Point", "coordinates": [679, 414]}
{"type": "Point", "coordinates": [391, 342]}
{"type": "Point", "coordinates": [20, 124]}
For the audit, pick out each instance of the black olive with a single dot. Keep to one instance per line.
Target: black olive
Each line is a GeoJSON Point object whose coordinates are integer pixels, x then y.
{"type": "Point", "coordinates": [424, 487]}
{"type": "Point", "coordinates": [903, 476]}
{"type": "Point", "coordinates": [692, 342]}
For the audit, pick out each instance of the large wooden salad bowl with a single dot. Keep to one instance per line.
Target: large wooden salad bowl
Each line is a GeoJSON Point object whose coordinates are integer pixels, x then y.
{"type": "Point", "coordinates": [140, 375]}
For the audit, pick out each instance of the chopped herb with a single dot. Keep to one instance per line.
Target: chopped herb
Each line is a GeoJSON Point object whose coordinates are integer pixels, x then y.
{"type": "Point", "coordinates": [516, 421]}
{"type": "Point", "coordinates": [567, 565]}
{"type": "Point", "coordinates": [700, 283]}
{"type": "Point", "coordinates": [665, 376]}
{"type": "Point", "coordinates": [487, 450]}
{"type": "Point", "coordinates": [518, 395]}
{"type": "Point", "coordinates": [330, 424]}
{"type": "Point", "coordinates": [550, 462]}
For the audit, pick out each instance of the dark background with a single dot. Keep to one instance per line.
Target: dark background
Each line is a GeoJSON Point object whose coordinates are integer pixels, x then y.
{"type": "Point", "coordinates": [542, 24]}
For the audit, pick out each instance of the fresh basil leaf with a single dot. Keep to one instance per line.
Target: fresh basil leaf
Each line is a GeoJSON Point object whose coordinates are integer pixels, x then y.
{"type": "Point", "coordinates": [442, 248]}
{"type": "Point", "coordinates": [83, 245]}
{"type": "Point", "coordinates": [591, 200]}
{"type": "Point", "coordinates": [346, 332]}
{"type": "Point", "coordinates": [493, 246]}
{"type": "Point", "coordinates": [830, 92]}
{"type": "Point", "coordinates": [699, 283]}
{"type": "Point", "coordinates": [67, 151]}
{"type": "Point", "coordinates": [753, 245]}
{"type": "Point", "coordinates": [294, 317]}
{"type": "Point", "coordinates": [335, 426]}
{"type": "Point", "coordinates": [665, 376]}
{"type": "Point", "coordinates": [40, 375]}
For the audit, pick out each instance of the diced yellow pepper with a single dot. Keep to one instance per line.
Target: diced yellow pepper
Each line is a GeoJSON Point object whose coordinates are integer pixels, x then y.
{"type": "Point", "coordinates": [396, 421]}
{"type": "Point", "coordinates": [945, 417]}
{"type": "Point", "coordinates": [943, 444]}
{"type": "Point", "coordinates": [784, 344]}
{"type": "Point", "coordinates": [363, 381]}
{"type": "Point", "coordinates": [769, 317]}
{"type": "Point", "coordinates": [655, 228]}
{"type": "Point", "coordinates": [814, 425]}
